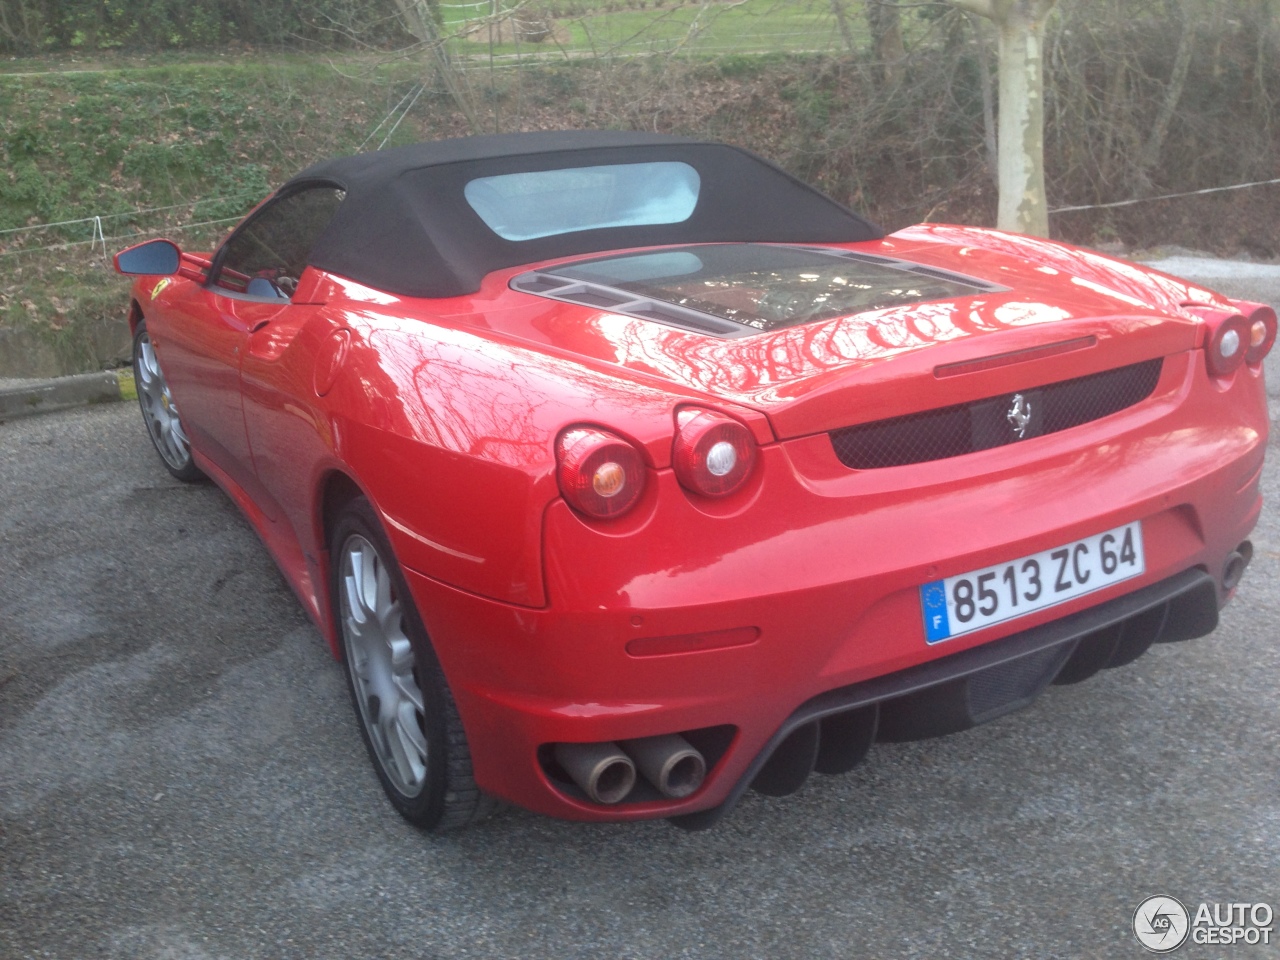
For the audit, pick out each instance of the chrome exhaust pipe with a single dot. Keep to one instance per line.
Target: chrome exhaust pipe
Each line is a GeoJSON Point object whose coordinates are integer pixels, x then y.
{"type": "Point", "coordinates": [604, 772]}
{"type": "Point", "coordinates": [670, 763]}
{"type": "Point", "coordinates": [1236, 564]}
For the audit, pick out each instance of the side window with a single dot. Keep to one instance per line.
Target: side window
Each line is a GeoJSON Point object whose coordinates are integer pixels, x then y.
{"type": "Point", "coordinates": [267, 256]}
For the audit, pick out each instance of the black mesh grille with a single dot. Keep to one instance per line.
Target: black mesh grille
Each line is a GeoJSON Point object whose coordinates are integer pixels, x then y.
{"type": "Point", "coordinates": [983, 424]}
{"type": "Point", "coordinates": [1000, 689]}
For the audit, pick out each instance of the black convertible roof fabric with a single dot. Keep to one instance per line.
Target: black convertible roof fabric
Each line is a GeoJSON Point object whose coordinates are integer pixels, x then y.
{"type": "Point", "coordinates": [406, 227]}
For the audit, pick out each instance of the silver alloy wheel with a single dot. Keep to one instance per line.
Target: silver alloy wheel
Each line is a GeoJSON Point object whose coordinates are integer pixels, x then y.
{"type": "Point", "coordinates": [382, 666]}
{"type": "Point", "coordinates": [159, 412]}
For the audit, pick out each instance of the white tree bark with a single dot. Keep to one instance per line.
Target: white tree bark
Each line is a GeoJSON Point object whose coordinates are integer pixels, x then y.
{"type": "Point", "coordinates": [1020, 26]}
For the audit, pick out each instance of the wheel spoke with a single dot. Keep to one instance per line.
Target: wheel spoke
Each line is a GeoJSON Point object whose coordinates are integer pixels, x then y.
{"type": "Point", "coordinates": [411, 728]}
{"type": "Point", "coordinates": [180, 435]}
{"type": "Point", "coordinates": [401, 653]}
{"type": "Point", "coordinates": [170, 443]}
{"type": "Point", "coordinates": [359, 665]}
{"type": "Point", "coordinates": [369, 583]}
{"type": "Point", "coordinates": [408, 688]}
{"type": "Point", "coordinates": [147, 363]}
{"type": "Point", "coordinates": [355, 608]}
{"type": "Point", "coordinates": [383, 604]}
{"type": "Point", "coordinates": [412, 742]}
{"type": "Point", "coordinates": [399, 757]}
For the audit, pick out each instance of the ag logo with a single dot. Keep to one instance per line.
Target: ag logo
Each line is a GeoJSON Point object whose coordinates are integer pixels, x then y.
{"type": "Point", "coordinates": [160, 285]}
{"type": "Point", "coordinates": [1161, 924]}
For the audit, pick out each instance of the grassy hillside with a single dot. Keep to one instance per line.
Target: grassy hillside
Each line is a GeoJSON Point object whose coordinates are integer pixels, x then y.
{"type": "Point", "coordinates": [185, 148]}
{"type": "Point", "coordinates": [150, 151]}
{"type": "Point", "coordinates": [111, 142]}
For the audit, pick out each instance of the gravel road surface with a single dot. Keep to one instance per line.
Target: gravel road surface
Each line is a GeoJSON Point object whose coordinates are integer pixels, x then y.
{"type": "Point", "coordinates": [181, 777]}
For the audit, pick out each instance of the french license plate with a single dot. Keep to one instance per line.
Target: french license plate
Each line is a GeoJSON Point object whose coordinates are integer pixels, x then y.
{"type": "Point", "coordinates": [971, 601]}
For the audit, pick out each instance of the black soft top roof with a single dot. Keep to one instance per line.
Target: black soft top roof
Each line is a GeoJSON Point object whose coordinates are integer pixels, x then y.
{"type": "Point", "coordinates": [406, 227]}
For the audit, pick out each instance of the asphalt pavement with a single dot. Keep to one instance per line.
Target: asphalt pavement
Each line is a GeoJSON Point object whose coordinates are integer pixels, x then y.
{"type": "Point", "coordinates": [181, 776]}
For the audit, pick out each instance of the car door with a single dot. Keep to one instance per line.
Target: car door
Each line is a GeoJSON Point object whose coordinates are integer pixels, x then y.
{"type": "Point", "coordinates": [252, 281]}
{"type": "Point", "coordinates": [201, 347]}
{"type": "Point", "coordinates": [275, 369]}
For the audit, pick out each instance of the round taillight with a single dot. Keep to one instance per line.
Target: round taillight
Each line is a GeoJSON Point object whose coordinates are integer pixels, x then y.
{"type": "Point", "coordinates": [713, 453]}
{"type": "Point", "coordinates": [1228, 345]}
{"type": "Point", "coordinates": [599, 473]}
{"type": "Point", "coordinates": [1262, 334]}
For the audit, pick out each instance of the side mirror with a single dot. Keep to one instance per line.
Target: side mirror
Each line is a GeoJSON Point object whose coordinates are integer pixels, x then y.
{"type": "Point", "coordinates": [153, 258]}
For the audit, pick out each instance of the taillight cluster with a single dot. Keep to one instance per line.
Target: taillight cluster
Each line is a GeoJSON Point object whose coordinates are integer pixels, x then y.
{"type": "Point", "coordinates": [602, 475]}
{"type": "Point", "coordinates": [713, 453]}
{"type": "Point", "coordinates": [1236, 337]}
{"type": "Point", "coordinates": [1226, 347]}
{"type": "Point", "coordinates": [1262, 331]}
{"type": "Point", "coordinates": [599, 473]}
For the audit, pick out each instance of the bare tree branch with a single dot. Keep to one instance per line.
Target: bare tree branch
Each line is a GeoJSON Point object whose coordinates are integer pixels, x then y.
{"type": "Point", "coordinates": [422, 19]}
{"type": "Point", "coordinates": [988, 101]}
{"type": "Point", "coordinates": [884, 17]}
{"type": "Point", "coordinates": [842, 21]}
{"type": "Point", "coordinates": [1172, 95]}
{"type": "Point", "coordinates": [983, 8]}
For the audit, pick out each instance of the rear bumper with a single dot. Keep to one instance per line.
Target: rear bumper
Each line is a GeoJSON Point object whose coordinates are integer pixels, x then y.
{"type": "Point", "coordinates": [825, 564]}
{"type": "Point", "coordinates": [983, 683]}
{"type": "Point", "coordinates": [506, 728]}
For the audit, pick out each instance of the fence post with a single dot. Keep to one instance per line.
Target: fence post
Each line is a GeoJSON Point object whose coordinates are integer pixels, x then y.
{"type": "Point", "coordinates": [98, 235]}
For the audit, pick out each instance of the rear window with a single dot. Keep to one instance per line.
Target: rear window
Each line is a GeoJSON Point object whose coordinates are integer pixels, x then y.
{"type": "Point", "coordinates": [768, 287]}
{"type": "Point", "coordinates": [546, 203]}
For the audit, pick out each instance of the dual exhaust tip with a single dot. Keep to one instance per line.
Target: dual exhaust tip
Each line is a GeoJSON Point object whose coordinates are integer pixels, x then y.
{"type": "Point", "coordinates": [606, 772]}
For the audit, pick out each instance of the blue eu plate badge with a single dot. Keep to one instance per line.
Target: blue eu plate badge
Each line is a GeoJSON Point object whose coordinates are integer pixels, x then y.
{"type": "Point", "coordinates": [933, 598]}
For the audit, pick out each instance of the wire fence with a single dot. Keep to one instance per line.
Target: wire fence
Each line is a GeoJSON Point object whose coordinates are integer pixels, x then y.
{"type": "Point", "coordinates": [99, 238]}
{"type": "Point", "coordinates": [91, 230]}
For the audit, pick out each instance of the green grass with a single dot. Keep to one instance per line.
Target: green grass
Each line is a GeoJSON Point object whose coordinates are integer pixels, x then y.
{"type": "Point", "coordinates": [602, 27]}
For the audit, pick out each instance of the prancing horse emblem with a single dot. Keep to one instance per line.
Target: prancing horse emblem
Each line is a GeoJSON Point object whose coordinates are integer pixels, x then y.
{"type": "Point", "coordinates": [1019, 415]}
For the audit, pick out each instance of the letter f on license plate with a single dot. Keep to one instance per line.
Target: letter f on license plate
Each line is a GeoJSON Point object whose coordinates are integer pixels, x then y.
{"type": "Point", "coordinates": [971, 601]}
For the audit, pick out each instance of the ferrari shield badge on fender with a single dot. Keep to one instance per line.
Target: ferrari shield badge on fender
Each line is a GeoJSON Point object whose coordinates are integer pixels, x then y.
{"type": "Point", "coordinates": [160, 285]}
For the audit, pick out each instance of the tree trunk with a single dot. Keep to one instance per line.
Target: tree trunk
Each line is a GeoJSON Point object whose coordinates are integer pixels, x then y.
{"type": "Point", "coordinates": [1172, 95]}
{"type": "Point", "coordinates": [14, 34]}
{"type": "Point", "coordinates": [1020, 26]}
{"type": "Point", "coordinates": [842, 21]}
{"type": "Point", "coordinates": [989, 138]}
{"type": "Point", "coordinates": [423, 19]}
{"type": "Point", "coordinates": [887, 49]}
{"type": "Point", "coordinates": [1023, 206]}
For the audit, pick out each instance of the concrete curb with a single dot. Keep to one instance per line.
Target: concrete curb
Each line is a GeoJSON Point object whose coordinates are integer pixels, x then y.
{"type": "Point", "coordinates": [27, 397]}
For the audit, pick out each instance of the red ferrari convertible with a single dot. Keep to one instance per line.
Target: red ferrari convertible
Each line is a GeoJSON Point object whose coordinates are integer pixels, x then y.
{"type": "Point", "coordinates": [626, 472]}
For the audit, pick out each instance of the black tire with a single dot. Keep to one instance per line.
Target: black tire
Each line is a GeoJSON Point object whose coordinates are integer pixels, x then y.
{"type": "Point", "coordinates": [159, 413]}
{"type": "Point", "coordinates": [446, 796]}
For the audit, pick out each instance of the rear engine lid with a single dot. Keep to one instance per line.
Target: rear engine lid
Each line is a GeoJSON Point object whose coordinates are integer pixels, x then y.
{"type": "Point", "coordinates": [825, 338]}
{"type": "Point", "coordinates": [734, 290]}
